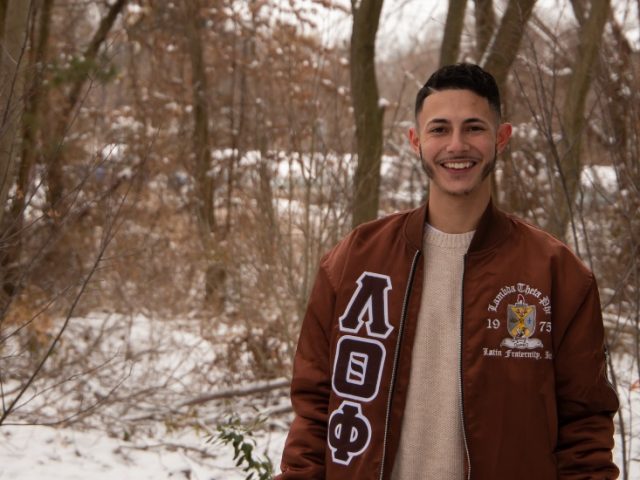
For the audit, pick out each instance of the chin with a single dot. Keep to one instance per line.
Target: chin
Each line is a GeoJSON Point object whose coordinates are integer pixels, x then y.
{"type": "Point", "coordinates": [468, 191]}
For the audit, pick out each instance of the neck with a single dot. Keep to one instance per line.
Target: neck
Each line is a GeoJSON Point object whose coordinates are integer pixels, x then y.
{"type": "Point", "coordinates": [456, 213]}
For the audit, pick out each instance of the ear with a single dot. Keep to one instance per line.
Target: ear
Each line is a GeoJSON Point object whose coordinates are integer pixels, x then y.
{"type": "Point", "coordinates": [503, 136]}
{"type": "Point", "coordinates": [414, 140]}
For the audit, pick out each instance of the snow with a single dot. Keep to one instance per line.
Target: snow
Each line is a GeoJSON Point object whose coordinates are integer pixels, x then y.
{"type": "Point", "coordinates": [151, 378]}
{"type": "Point", "coordinates": [153, 368]}
{"type": "Point", "coordinates": [38, 452]}
{"type": "Point", "coordinates": [174, 357]}
{"type": "Point", "coordinates": [603, 176]}
{"type": "Point", "coordinates": [134, 8]}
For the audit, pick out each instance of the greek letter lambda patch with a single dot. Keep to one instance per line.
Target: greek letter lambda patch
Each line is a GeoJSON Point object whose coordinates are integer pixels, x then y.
{"type": "Point", "coordinates": [349, 432]}
{"type": "Point", "coordinates": [369, 305]}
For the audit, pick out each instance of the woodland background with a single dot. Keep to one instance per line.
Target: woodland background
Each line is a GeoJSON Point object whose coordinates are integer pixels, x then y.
{"type": "Point", "coordinates": [171, 172]}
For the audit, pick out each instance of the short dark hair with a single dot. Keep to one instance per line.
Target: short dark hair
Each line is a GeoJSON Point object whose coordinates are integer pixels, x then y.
{"type": "Point", "coordinates": [461, 76]}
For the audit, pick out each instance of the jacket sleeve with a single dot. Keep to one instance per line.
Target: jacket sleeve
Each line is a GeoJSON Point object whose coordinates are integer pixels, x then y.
{"type": "Point", "coordinates": [304, 451]}
{"type": "Point", "coordinates": [586, 400]}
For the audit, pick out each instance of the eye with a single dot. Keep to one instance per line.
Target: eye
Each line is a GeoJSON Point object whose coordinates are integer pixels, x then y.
{"type": "Point", "coordinates": [476, 128]}
{"type": "Point", "coordinates": [437, 130]}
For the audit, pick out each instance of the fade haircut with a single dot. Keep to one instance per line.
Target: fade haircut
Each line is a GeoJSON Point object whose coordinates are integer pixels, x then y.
{"type": "Point", "coordinates": [461, 76]}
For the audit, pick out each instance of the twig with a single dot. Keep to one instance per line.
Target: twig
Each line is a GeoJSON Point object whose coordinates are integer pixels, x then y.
{"type": "Point", "coordinates": [260, 387]}
{"type": "Point", "coordinates": [110, 233]}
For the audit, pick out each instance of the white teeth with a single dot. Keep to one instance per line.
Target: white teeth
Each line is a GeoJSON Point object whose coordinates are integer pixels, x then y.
{"type": "Point", "coordinates": [458, 165]}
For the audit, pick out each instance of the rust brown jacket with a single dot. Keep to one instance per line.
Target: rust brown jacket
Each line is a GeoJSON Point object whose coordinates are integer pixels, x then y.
{"type": "Point", "coordinates": [536, 401]}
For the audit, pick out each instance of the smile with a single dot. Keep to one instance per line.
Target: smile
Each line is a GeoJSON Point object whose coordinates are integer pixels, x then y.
{"type": "Point", "coordinates": [458, 165]}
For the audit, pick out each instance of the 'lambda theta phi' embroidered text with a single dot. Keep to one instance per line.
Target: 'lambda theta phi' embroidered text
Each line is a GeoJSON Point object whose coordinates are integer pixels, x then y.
{"type": "Point", "coordinates": [369, 300]}
{"type": "Point", "coordinates": [349, 432]}
{"type": "Point", "coordinates": [358, 365]}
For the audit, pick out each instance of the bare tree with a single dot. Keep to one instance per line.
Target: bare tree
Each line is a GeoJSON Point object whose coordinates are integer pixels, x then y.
{"type": "Point", "coordinates": [450, 47]}
{"type": "Point", "coordinates": [34, 93]}
{"type": "Point", "coordinates": [573, 115]}
{"type": "Point", "coordinates": [204, 209]}
{"type": "Point", "coordinates": [14, 15]}
{"type": "Point", "coordinates": [74, 97]}
{"type": "Point", "coordinates": [505, 42]}
{"type": "Point", "coordinates": [51, 149]}
{"type": "Point", "coordinates": [485, 21]}
{"type": "Point", "coordinates": [368, 112]}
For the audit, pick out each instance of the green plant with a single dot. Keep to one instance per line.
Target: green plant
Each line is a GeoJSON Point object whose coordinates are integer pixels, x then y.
{"type": "Point", "coordinates": [233, 432]}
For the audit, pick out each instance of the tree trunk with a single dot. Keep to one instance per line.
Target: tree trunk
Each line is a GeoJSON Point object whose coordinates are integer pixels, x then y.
{"type": "Point", "coordinates": [15, 21]}
{"type": "Point", "coordinates": [498, 50]}
{"type": "Point", "coordinates": [450, 47]}
{"type": "Point", "coordinates": [237, 116]}
{"type": "Point", "coordinates": [573, 120]}
{"type": "Point", "coordinates": [33, 99]}
{"type": "Point", "coordinates": [55, 175]}
{"type": "Point", "coordinates": [201, 147]}
{"type": "Point", "coordinates": [367, 111]}
{"type": "Point", "coordinates": [4, 4]}
{"type": "Point", "coordinates": [29, 133]}
{"type": "Point", "coordinates": [506, 41]}
{"type": "Point", "coordinates": [215, 274]}
{"type": "Point", "coordinates": [485, 25]}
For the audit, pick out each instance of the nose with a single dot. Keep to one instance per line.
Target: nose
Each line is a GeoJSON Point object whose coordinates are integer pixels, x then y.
{"type": "Point", "coordinates": [457, 142]}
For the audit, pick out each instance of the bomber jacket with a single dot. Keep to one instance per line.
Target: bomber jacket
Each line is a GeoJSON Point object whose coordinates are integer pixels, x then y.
{"type": "Point", "coordinates": [536, 401]}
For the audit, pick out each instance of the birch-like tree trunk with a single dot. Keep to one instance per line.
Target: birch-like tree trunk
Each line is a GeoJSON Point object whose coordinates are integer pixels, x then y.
{"type": "Point", "coordinates": [367, 110]}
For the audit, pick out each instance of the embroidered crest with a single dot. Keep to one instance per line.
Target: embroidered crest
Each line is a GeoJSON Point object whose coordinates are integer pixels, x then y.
{"type": "Point", "coordinates": [521, 324]}
{"type": "Point", "coordinates": [528, 313]}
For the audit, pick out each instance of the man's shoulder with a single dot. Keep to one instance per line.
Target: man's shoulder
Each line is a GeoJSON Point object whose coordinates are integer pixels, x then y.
{"type": "Point", "coordinates": [535, 232]}
{"type": "Point", "coordinates": [374, 235]}
{"type": "Point", "coordinates": [382, 225]}
{"type": "Point", "coordinates": [541, 243]}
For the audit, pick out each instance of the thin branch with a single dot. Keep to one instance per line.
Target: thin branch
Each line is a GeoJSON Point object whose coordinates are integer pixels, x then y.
{"type": "Point", "coordinates": [110, 233]}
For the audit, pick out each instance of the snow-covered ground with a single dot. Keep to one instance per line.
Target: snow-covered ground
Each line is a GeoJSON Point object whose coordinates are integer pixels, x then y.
{"type": "Point", "coordinates": [147, 379]}
{"type": "Point", "coordinates": [157, 423]}
{"type": "Point", "coordinates": [37, 453]}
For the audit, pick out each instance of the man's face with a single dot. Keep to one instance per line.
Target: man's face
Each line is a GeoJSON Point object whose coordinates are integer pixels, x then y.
{"type": "Point", "coordinates": [458, 137]}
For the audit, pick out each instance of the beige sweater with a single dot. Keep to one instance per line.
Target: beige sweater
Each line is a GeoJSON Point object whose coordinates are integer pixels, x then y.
{"type": "Point", "coordinates": [431, 444]}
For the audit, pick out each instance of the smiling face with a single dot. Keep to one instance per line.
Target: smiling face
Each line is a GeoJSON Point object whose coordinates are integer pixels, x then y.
{"type": "Point", "coordinates": [458, 137]}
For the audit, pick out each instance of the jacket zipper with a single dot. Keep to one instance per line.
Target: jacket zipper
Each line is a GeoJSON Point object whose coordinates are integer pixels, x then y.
{"type": "Point", "coordinates": [396, 356]}
{"type": "Point", "coordinates": [464, 429]}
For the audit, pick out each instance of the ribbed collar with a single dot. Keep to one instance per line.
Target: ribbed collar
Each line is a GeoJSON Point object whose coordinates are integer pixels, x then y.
{"type": "Point", "coordinates": [493, 228]}
{"type": "Point", "coordinates": [450, 241]}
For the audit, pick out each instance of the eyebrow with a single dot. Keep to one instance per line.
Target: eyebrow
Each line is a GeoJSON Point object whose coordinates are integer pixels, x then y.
{"type": "Point", "coordinates": [466, 120]}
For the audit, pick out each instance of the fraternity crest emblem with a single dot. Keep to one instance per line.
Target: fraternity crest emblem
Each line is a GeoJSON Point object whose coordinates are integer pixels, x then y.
{"type": "Point", "coordinates": [521, 324]}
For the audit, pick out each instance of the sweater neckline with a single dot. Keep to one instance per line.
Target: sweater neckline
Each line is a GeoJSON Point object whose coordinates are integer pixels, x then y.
{"type": "Point", "coordinates": [494, 228]}
{"type": "Point", "coordinates": [438, 238]}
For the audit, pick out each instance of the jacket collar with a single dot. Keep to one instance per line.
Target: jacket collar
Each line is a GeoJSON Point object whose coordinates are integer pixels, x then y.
{"type": "Point", "coordinates": [494, 226]}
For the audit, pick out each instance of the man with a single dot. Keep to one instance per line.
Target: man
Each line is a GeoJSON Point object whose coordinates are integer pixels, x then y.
{"type": "Point", "coordinates": [453, 341]}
